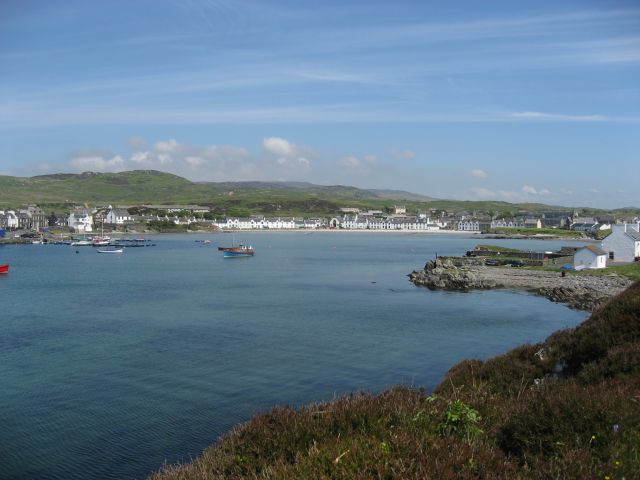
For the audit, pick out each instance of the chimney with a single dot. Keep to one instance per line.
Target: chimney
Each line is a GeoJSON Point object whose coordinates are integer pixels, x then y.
{"type": "Point", "coordinates": [625, 227]}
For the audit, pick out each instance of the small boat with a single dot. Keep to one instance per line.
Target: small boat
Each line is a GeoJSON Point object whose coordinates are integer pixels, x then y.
{"type": "Point", "coordinates": [101, 241]}
{"type": "Point", "coordinates": [239, 251]}
{"type": "Point", "coordinates": [4, 269]}
{"type": "Point", "coordinates": [109, 250]}
{"type": "Point", "coordinates": [81, 243]}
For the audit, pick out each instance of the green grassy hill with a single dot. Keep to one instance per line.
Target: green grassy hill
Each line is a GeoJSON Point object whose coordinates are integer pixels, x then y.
{"type": "Point", "coordinates": [565, 408]}
{"type": "Point", "coordinates": [227, 198]}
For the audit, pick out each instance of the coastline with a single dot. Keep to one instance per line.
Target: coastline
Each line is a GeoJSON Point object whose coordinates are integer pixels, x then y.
{"type": "Point", "coordinates": [582, 292]}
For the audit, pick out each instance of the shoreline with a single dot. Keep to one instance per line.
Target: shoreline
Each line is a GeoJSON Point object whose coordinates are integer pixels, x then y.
{"type": "Point", "coordinates": [582, 292]}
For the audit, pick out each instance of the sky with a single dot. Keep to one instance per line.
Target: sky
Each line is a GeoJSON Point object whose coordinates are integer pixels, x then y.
{"type": "Point", "coordinates": [528, 101]}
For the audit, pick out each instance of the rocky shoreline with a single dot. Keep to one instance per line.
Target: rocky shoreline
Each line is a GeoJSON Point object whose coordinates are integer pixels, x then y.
{"type": "Point", "coordinates": [583, 292]}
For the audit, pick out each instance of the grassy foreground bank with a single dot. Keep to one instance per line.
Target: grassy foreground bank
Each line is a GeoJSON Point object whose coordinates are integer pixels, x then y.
{"type": "Point", "coordinates": [568, 407]}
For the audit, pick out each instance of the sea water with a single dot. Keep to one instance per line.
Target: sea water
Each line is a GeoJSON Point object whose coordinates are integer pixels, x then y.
{"type": "Point", "coordinates": [111, 365]}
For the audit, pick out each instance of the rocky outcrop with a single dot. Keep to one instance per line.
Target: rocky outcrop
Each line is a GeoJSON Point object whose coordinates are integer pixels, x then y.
{"type": "Point", "coordinates": [584, 292]}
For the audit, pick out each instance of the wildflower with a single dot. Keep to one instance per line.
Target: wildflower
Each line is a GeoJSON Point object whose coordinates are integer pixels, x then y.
{"type": "Point", "coordinates": [616, 428]}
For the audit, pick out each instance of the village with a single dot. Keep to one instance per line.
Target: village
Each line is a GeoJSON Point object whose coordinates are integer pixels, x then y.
{"type": "Point", "coordinates": [620, 236]}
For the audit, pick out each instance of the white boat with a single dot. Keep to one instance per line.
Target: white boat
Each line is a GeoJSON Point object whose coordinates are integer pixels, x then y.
{"type": "Point", "coordinates": [110, 250]}
{"type": "Point", "coordinates": [81, 243]}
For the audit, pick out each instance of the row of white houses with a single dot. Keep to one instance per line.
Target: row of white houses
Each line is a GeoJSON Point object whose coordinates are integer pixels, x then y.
{"type": "Point", "coordinates": [367, 222]}
{"type": "Point", "coordinates": [347, 222]}
{"type": "Point", "coordinates": [472, 225]}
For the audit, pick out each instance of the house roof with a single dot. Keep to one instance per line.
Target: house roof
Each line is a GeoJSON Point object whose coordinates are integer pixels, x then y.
{"type": "Point", "coordinates": [633, 234]}
{"type": "Point", "coordinates": [595, 249]}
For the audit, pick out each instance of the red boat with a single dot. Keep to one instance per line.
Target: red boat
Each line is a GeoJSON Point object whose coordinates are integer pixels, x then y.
{"type": "Point", "coordinates": [4, 268]}
{"type": "Point", "coordinates": [239, 251]}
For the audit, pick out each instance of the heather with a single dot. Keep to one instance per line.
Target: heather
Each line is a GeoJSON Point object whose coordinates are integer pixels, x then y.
{"type": "Point", "coordinates": [564, 408]}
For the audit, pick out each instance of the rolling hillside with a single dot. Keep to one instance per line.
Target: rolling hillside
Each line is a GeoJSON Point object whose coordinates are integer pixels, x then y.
{"type": "Point", "coordinates": [227, 198]}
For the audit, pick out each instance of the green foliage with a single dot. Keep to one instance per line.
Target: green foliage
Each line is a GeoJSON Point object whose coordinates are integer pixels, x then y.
{"type": "Point", "coordinates": [560, 232]}
{"type": "Point", "coordinates": [631, 270]}
{"type": "Point", "coordinates": [460, 419]}
{"type": "Point", "coordinates": [166, 225]}
{"type": "Point", "coordinates": [496, 248]}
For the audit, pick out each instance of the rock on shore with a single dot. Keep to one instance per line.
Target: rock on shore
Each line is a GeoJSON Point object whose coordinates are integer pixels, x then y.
{"type": "Point", "coordinates": [584, 292]}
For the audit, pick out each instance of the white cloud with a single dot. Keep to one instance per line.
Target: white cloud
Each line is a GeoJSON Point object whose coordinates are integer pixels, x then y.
{"type": "Point", "coordinates": [140, 157]}
{"type": "Point", "coordinates": [279, 146]}
{"type": "Point", "coordinates": [98, 163]}
{"type": "Point", "coordinates": [211, 162]}
{"type": "Point", "coordinates": [363, 165]}
{"type": "Point", "coordinates": [290, 156]}
{"type": "Point", "coordinates": [167, 147]}
{"type": "Point", "coordinates": [194, 161]}
{"type": "Point", "coordinates": [164, 158]}
{"type": "Point", "coordinates": [476, 172]}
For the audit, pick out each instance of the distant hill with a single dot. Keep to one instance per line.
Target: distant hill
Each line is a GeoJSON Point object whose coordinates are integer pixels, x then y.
{"type": "Point", "coordinates": [340, 191]}
{"type": "Point", "coordinates": [126, 187]}
{"type": "Point", "coordinates": [231, 198]}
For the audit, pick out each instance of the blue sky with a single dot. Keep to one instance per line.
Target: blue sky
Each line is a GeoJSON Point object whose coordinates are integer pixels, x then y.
{"type": "Point", "coordinates": [516, 101]}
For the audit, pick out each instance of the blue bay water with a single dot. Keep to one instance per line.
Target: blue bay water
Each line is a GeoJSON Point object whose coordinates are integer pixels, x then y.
{"type": "Point", "coordinates": [111, 365]}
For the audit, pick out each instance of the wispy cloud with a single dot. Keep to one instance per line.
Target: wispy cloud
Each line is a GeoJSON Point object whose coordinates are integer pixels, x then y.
{"type": "Point", "coordinates": [360, 165]}
{"type": "Point", "coordinates": [478, 173]}
{"type": "Point", "coordinates": [402, 154]}
{"type": "Point", "coordinates": [558, 117]}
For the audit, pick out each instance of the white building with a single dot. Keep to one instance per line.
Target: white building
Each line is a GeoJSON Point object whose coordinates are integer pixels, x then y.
{"type": "Point", "coordinates": [11, 219]}
{"type": "Point", "coordinates": [623, 244]}
{"type": "Point", "coordinates": [118, 216]}
{"type": "Point", "coordinates": [590, 256]}
{"type": "Point", "coordinates": [468, 225]}
{"type": "Point", "coordinates": [502, 223]}
{"type": "Point", "coordinates": [81, 221]}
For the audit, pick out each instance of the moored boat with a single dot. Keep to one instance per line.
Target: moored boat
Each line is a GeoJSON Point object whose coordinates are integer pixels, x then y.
{"type": "Point", "coordinates": [239, 251]}
{"type": "Point", "coordinates": [4, 269]}
{"type": "Point", "coordinates": [110, 250]}
{"type": "Point", "coordinates": [81, 243]}
{"type": "Point", "coordinates": [101, 241]}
